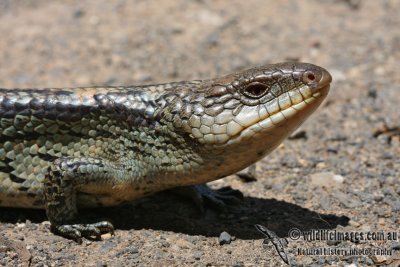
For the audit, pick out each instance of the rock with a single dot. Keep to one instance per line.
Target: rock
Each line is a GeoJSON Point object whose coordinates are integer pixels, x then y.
{"type": "Point", "coordinates": [378, 198]}
{"type": "Point", "coordinates": [325, 202]}
{"type": "Point", "coordinates": [387, 191]}
{"type": "Point", "coordinates": [193, 239]}
{"type": "Point", "coordinates": [224, 238]}
{"type": "Point", "coordinates": [372, 93]}
{"type": "Point", "coordinates": [78, 13]}
{"type": "Point", "coordinates": [183, 244]}
{"type": "Point", "coordinates": [197, 254]}
{"type": "Point", "coordinates": [238, 264]}
{"type": "Point", "coordinates": [101, 264]}
{"type": "Point", "coordinates": [301, 134]}
{"type": "Point", "coordinates": [249, 174]}
{"type": "Point", "coordinates": [338, 137]}
{"type": "Point", "coordinates": [142, 76]}
{"type": "Point", "coordinates": [107, 246]}
{"type": "Point", "coordinates": [189, 261]}
{"type": "Point", "coordinates": [326, 179]}
{"type": "Point", "coordinates": [131, 250]}
{"type": "Point", "coordinates": [320, 165]}
{"type": "Point", "coordinates": [395, 246]}
{"type": "Point", "coordinates": [106, 236]}
{"type": "Point", "coordinates": [354, 223]}
{"type": "Point", "coordinates": [305, 260]}
{"type": "Point", "coordinates": [395, 206]}
{"type": "Point", "coordinates": [212, 40]}
{"type": "Point", "coordinates": [134, 250]}
{"type": "Point", "coordinates": [133, 256]}
{"type": "Point", "coordinates": [333, 242]}
{"type": "Point", "coordinates": [164, 243]}
{"type": "Point", "coordinates": [378, 259]}
{"type": "Point", "coordinates": [290, 161]}
{"type": "Point", "coordinates": [347, 200]}
{"type": "Point", "coordinates": [21, 225]}
{"type": "Point", "coordinates": [46, 223]}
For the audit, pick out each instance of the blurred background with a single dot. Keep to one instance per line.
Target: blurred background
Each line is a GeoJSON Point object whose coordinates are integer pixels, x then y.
{"type": "Point", "coordinates": [77, 43]}
{"type": "Point", "coordinates": [355, 135]}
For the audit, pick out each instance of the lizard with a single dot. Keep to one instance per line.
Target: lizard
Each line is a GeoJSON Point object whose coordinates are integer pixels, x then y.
{"type": "Point", "coordinates": [63, 149]}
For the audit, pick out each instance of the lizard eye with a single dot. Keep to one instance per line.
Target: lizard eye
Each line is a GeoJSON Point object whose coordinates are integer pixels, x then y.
{"type": "Point", "coordinates": [255, 90]}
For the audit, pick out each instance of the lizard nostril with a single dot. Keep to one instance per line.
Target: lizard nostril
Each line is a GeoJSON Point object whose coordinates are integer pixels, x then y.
{"type": "Point", "coordinates": [310, 77]}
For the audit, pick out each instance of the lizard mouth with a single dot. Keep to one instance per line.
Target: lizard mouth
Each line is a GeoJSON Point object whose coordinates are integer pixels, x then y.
{"type": "Point", "coordinates": [281, 112]}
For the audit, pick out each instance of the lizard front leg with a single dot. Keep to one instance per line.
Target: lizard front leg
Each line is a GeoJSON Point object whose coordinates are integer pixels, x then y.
{"type": "Point", "coordinates": [65, 175]}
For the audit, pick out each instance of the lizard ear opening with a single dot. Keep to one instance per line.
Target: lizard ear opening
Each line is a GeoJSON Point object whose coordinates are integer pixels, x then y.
{"type": "Point", "coordinates": [255, 90]}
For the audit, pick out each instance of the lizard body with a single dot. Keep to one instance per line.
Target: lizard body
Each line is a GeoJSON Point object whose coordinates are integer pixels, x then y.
{"type": "Point", "coordinates": [65, 148]}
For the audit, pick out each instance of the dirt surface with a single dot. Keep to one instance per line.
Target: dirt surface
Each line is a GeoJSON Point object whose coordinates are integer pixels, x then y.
{"type": "Point", "coordinates": [340, 172]}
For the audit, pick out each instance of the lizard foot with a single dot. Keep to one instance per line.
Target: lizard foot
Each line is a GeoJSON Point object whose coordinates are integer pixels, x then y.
{"type": "Point", "coordinates": [218, 199]}
{"type": "Point", "coordinates": [77, 231]}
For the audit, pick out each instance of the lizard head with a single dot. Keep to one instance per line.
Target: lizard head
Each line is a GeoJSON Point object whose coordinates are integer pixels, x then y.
{"type": "Point", "coordinates": [231, 122]}
{"type": "Point", "coordinates": [270, 102]}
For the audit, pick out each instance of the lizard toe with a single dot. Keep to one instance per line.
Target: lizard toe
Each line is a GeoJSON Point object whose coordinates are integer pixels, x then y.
{"type": "Point", "coordinates": [90, 231]}
{"type": "Point", "coordinates": [202, 194]}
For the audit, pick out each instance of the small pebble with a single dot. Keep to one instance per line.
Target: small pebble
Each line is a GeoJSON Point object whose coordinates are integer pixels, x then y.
{"type": "Point", "coordinates": [324, 202]}
{"type": "Point", "coordinates": [298, 135]}
{"type": "Point", "coordinates": [378, 198]}
{"type": "Point", "coordinates": [107, 246]}
{"type": "Point", "coordinates": [333, 242]}
{"type": "Point", "coordinates": [106, 236]}
{"type": "Point", "coordinates": [224, 238]}
{"type": "Point", "coordinates": [197, 254]}
{"type": "Point", "coordinates": [395, 246]}
{"type": "Point", "coordinates": [354, 223]}
{"type": "Point", "coordinates": [378, 259]}
{"type": "Point", "coordinates": [395, 206]}
{"type": "Point", "coordinates": [387, 191]}
{"type": "Point", "coordinates": [164, 243]}
{"type": "Point", "coordinates": [326, 179]}
{"type": "Point", "coordinates": [78, 13]}
{"type": "Point", "coordinates": [347, 200]}
{"type": "Point", "coordinates": [238, 264]}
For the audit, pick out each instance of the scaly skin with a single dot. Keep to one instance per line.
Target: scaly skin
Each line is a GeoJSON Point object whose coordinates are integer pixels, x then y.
{"type": "Point", "coordinates": [85, 147]}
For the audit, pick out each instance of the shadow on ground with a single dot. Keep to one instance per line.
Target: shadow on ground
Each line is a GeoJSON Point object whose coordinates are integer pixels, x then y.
{"type": "Point", "coordinates": [168, 212]}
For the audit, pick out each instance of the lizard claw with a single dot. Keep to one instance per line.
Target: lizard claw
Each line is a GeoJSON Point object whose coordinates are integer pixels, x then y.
{"type": "Point", "coordinates": [77, 231]}
{"type": "Point", "coordinates": [220, 198]}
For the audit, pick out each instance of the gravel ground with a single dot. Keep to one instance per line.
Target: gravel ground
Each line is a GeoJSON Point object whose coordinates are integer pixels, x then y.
{"type": "Point", "coordinates": [339, 172]}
